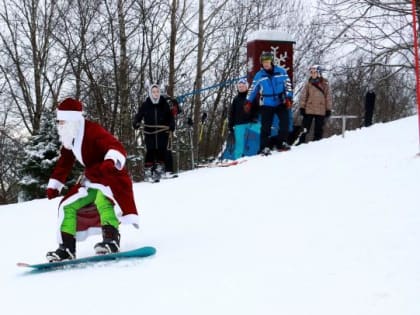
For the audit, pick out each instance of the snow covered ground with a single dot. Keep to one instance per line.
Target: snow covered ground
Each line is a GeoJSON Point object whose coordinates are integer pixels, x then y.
{"type": "Point", "coordinates": [329, 228]}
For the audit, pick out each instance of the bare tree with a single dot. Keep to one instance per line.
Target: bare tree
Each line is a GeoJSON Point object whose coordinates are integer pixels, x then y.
{"type": "Point", "coordinates": [29, 67]}
{"type": "Point", "coordinates": [11, 149]}
{"type": "Point", "coordinates": [394, 98]}
{"type": "Point", "coordinates": [374, 40]}
{"type": "Point", "coordinates": [380, 29]}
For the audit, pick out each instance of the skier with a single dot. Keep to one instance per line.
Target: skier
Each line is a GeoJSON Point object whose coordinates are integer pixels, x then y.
{"type": "Point", "coordinates": [158, 122]}
{"type": "Point", "coordinates": [315, 103]}
{"type": "Point", "coordinates": [241, 118]}
{"type": "Point", "coordinates": [273, 85]}
{"type": "Point", "coordinates": [105, 183]}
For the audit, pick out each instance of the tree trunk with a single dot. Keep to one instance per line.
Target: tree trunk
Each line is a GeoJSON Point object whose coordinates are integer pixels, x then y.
{"type": "Point", "coordinates": [172, 44]}
{"type": "Point", "coordinates": [198, 78]}
{"type": "Point", "coordinates": [123, 73]}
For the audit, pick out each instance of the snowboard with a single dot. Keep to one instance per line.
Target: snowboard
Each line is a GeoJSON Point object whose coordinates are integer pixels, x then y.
{"type": "Point", "coordinates": [84, 261]}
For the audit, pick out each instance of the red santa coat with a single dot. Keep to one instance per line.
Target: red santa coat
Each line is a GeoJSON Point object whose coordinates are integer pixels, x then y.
{"type": "Point", "coordinates": [91, 147]}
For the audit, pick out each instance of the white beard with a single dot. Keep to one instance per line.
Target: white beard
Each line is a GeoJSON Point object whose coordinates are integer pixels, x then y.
{"type": "Point", "coordinates": [67, 132]}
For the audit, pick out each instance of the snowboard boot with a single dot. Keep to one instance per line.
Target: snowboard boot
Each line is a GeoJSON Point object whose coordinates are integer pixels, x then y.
{"type": "Point", "coordinates": [111, 241]}
{"type": "Point", "coordinates": [65, 251]}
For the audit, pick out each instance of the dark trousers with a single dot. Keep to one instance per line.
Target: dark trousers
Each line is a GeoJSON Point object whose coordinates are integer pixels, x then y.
{"type": "Point", "coordinates": [169, 162]}
{"type": "Point", "coordinates": [368, 115]}
{"type": "Point", "coordinates": [156, 148]}
{"type": "Point", "coordinates": [319, 126]}
{"type": "Point", "coordinates": [267, 115]}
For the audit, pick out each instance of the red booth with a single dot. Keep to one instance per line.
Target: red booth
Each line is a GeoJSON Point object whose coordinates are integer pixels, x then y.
{"type": "Point", "coordinates": [278, 42]}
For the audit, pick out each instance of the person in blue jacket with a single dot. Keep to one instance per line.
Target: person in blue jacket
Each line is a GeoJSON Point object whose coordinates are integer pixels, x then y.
{"type": "Point", "coordinates": [275, 91]}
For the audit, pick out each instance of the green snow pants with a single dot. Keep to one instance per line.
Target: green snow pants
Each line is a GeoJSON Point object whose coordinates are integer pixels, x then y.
{"type": "Point", "coordinates": [102, 203]}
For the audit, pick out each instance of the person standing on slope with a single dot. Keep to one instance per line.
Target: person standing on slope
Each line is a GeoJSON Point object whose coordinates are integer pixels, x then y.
{"type": "Point", "coordinates": [158, 122]}
{"type": "Point", "coordinates": [273, 85]}
{"type": "Point", "coordinates": [315, 103]}
{"type": "Point", "coordinates": [242, 117]}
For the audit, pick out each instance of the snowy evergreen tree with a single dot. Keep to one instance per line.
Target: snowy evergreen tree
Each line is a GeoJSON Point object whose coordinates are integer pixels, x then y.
{"type": "Point", "coordinates": [41, 154]}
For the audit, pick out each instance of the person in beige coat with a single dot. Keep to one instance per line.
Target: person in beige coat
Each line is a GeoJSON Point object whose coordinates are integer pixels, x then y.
{"type": "Point", "coordinates": [315, 103]}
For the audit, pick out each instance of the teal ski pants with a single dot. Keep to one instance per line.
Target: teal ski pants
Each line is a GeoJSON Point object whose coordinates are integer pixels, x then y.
{"type": "Point", "coordinates": [240, 137]}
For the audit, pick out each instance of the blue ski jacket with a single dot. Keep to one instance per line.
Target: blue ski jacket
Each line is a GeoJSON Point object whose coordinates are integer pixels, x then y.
{"type": "Point", "coordinates": [274, 87]}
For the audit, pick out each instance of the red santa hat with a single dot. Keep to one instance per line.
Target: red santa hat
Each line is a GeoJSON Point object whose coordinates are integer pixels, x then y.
{"type": "Point", "coordinates": [70, 109]}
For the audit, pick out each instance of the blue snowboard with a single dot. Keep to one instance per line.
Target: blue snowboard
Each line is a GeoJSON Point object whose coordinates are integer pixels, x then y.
{"type": "Point", "coordinates": [135, 253]}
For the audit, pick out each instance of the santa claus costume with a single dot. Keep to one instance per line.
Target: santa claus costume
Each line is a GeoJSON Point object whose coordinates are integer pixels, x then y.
{"type": "Point", "coordinates": [105, 190]}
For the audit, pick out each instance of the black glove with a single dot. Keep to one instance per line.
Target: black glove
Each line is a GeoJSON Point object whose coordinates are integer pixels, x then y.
{"type": "Point", "coordinates": [327, 113]}
{"type": "Point", "coordinates": [302, 111]}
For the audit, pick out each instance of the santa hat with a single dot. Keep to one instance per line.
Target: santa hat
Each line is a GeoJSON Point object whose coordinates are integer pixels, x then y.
{"type": "Point", "coordinates": [70, 109]}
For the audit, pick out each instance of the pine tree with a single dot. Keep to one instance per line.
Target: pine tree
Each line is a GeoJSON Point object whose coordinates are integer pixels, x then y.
{"type": "Point", "coordinates": [41, 153]}
{"type": "Point", "coordinates": [40, 156]}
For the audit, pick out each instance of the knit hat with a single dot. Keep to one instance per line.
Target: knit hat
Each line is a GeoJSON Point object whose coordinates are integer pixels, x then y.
{"type": "Point", "coordinates": [243, 81]}
{"type": "Point", "coordinates": [70, 109]}
{"type": "Point", "coordinates": [317, 68]}
{"type": "Point", "coordinates": [266, 56]}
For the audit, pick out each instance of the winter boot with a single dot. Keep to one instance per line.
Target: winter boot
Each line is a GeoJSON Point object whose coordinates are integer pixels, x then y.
{"type": "Point", "coordinates": [65, 251]}
{"type": "Point", "coordinates": [284, 146]}
{"type": "Point", "coordinates": [148, 174]}
{"type": "Point", "coordinates": [157, 173]}
{"type": "Point", "coordinates": [111, 241]}
{"type": "Point", "coordinates": [169, 175]}
{"type": "Point", "coordinates": [266, 151]}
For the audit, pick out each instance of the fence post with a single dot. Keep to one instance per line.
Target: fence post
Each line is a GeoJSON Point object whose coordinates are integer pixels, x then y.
{"type": "Point", "coordinates": [343, 122]}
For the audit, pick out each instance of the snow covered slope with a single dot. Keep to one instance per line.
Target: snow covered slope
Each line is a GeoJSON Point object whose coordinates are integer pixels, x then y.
{"type": "Point", "coordinates": [329, 228]}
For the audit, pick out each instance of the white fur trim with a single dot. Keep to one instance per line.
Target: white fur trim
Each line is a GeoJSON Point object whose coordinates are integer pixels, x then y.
{"type": "Point", "coordinates": [69, 115]}
{"type": "Point", "coordinates": [55, 184]}
{"type": "Point", "coordinates": [130, 219]}
{"type": "Point", "coordinates": [82, 192]}
{"type": "Point", "coordinates": [106, 190]}
{"type": "Point", "coordinates": [117, 157]}
{"type": "Point", "coordinates": [77, 145]}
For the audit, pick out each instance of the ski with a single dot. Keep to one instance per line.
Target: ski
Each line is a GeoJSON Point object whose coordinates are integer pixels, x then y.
{"type": "Point", "coordinates": [298, 137]}
{"type": "Point", "coordinates": [170, 176]}
{"type": "Point", "coordinates": [226, 163]}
